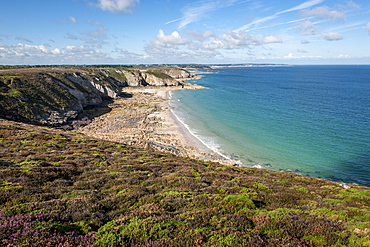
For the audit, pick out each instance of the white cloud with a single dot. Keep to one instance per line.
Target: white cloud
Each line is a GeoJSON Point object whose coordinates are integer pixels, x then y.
{"type": "Point", "coordinates": [353, 5]}
{"type": "Point", "coordinates": [238, 40]}
{"type": "Point", "coordinates": [81, 49]}
{"type": "Point", "coordinates": [343, 56]}
{"type": "Point", "coordinates": [117, 6]}
{"type": "Point", "coordinates": [125, 54]}
{"type": "Point", "coordinates": [24, 50]}
{"type": "Point", "coordinates": [98, 23]}
{"type": "Point", "coordinates": [99, 33]}
{"type": "Point", "coordinates": [72, 36]}
{"type": "Point", "coordinates": [165, 45]}
{"type": "Point", "coordinates": [304, 41]}
{"type": "Point", "coordinates": [95, 38]}
{"type": "Point", "coordinates": [271, 39]}
{"type": "Point", "coordinates": [200, 36]}
{"type": "Point", "coordinates": [368, 27]}
{"type": "Point", "coordinates": [292, 56]}
{"type": "Point", "coordinates": [42, 54]}
{"type": "Point", "coordinates": [173, 39]}
{"type": "Point", "coordinates": [302, 51]}
{"type": "Point", "coordinates": [72, 19]}
{"type": "Point", "coordinates": [35, 49]}
{"type": "Point", "coordinates": [332, 36]}
{"type": "Point", "coordinates": [324, 12]}
{"type": "Point", "coordinates": [308, 28]}
{"type": "Point", "coordinates": [204, 46]}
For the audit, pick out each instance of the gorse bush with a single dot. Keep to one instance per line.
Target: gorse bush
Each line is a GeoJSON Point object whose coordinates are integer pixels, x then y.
{"type": "Point", "coordinates": [66, 189]}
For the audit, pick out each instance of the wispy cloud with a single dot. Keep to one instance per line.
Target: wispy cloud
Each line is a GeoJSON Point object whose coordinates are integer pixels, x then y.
{"type": "Point", "coordinates": [258, 21]}
{"type": "Point", "coordinates": [117, 6]}
{"type": "Point", "coordinates": [349, 27]}
{"type": "Point", "coordinates": [307, 28]}
{"type": "Point", "coordinates": [24, 39]}
{"type": "Point", "coordinates": [353, 5]}
{"type": "Point", "coordinates": [197, 11]}
{"type": "Point", "coordinates": [332, 36]}
{"type": "Point", "coordinates": [93, 38]}
{"type": "Point", "coordinates": [301, 6]}
{"type": "Point", "coordinates": [324, 12]}
{"type": "Point", "coordinates": [304, 41]}
{"type": "Point", "coordinates": [72, 19]}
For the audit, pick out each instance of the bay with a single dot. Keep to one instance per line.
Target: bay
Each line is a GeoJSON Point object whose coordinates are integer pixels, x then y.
{"type": "Point", "coordinates": [313, 120]}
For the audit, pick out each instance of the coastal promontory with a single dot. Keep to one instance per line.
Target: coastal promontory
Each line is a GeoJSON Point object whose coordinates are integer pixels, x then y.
{"type": "Point", "coordinates": [122, 178]}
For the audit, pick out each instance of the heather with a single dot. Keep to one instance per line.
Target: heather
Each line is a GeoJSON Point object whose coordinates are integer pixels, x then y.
{"type": "Point", "coordinates": [62, 188]}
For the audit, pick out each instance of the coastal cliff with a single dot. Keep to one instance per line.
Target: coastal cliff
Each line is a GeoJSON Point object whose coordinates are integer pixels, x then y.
{"type": "Point", "coordinates": [54, 96]}
{"type": "Point", "coordinates": [66, 188]}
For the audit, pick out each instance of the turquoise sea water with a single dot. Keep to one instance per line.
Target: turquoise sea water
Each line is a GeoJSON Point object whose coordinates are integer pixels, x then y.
{"type": "Point", "coordinates": [313, 120]}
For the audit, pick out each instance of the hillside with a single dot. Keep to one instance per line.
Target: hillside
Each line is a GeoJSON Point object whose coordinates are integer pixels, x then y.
{"type": "Point", "coordinates": [56, 96]}
{"type": "Point", "coordinates": [65, 189]}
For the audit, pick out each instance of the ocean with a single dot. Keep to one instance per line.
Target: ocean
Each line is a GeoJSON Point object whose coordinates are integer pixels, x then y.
{"type": "Point", "coordinates": [311, 120]}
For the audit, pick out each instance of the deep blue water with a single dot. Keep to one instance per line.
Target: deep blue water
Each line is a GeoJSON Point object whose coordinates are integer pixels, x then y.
{"type": "Point", "coordinates": [313, 120]}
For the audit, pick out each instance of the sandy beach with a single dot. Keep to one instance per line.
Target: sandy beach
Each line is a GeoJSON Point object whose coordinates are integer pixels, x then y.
{"type": "Point", "coordinates": [143, 118]}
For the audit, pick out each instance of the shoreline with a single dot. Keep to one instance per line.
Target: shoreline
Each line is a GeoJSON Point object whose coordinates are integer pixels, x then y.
{"type": "Point", "coordinates": [144, 118]}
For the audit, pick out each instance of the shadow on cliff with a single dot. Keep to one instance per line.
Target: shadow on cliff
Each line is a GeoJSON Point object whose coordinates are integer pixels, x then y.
{"type": "Point", "coordinates": [91, 112]}
{"type": "Point", "coordinates": [88, 114]}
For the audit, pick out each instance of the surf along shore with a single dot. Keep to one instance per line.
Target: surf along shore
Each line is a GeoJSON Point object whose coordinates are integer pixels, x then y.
{"type": "Point", "coordinates": [143, 117]}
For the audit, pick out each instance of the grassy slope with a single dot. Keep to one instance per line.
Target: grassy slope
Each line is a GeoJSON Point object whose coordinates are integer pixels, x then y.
{"type": "Point", "coordinates": [60, 187]}
{"type": "Point", "coordinates": [26, 94]}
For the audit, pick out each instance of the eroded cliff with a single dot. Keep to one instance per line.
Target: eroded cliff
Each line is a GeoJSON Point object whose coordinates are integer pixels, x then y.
{"type": "Point", "coordinates": [54, 96]}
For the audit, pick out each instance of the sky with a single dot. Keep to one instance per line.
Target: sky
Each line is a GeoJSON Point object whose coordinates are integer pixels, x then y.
{"type": "Point", "coordinates": [184, 31]}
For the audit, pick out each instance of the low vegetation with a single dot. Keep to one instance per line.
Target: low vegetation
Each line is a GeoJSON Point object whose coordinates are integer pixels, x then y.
{"type": "Point", "coordinates": [65, 189]}
{"type": "Point", "coordinates": [24, 96]}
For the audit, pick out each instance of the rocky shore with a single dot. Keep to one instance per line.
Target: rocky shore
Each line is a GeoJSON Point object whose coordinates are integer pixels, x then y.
{"type": "Point", "coordinates": [143, 118]}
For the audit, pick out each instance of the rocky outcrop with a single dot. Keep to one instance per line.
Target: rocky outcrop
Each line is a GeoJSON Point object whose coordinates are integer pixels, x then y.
{"type": "Point", "coordinates": [103, 85]}
{"type": "Point", "coordinates": [54, 96]}
{"type": "Point", "coordinates": [58, 118]}
{"type": "Point", "coordinates": [153, 80]}
{"type": "Point", "coordinates": [177, 73]}
{"type": "Point", "coordinates": [134, 79]}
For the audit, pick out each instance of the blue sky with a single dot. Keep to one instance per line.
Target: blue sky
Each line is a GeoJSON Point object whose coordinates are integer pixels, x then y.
{"type": "Point", "coordinates": [184, 31]}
